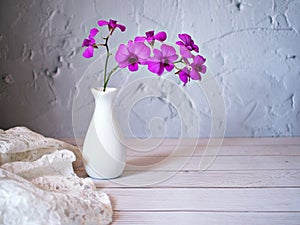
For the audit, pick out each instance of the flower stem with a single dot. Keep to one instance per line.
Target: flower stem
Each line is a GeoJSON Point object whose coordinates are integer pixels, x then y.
{"type": "Point", "coordinates": [106, 62]}
{"type": "Point", "coordinates": [109, 75]}
{"type": "Point", "coordinates": [176, 67]}
{"type": "Point", "coordinates": [178, 61]}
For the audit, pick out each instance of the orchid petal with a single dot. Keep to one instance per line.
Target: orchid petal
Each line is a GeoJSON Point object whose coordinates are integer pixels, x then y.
{"type": "Point", "coordinates": [112, 23]}
{"type": "Point", "coordinates": [179, 43]}
{"type": "Point", "coordinates": [131, 46]}
{"type": "Point", "coordinates": [88, 52]}
{"type": "Point", "coordinates": [196, 48]}
{"type": "Point", "coordinates": [173, 58]}
{"type": "Point", "coordinates": [157, 53]}
{"type": "Point", "coordinates": [183, 76]}
{"type": "Point", "coordinates": [185, 38]}
{"type": "Point", "coordinates": [123, 64]}
{"type": "Point", "coordinates": [150, 33]}
{"type": "Point", "coordinates": [122, 54]}
{"type": "Point", "coordinates": [93, 32]}
{"type": "Point", "coordinates": [85, 43]}
{"type": "Point", "coordinates": [199, 59]}
{"type": "Point", "coordinates": [139, 39]}
{"type": "Point", "coordinates": [203, 69]}
{"type": "Point", "coordinates": [195, 75]}
{"type": "Point", "coordinates": [133, 67]}
{"type": "Point", "coordinates": [141, 49]}
{"type": "Point", "coordinates": [150, 39]}
{"type": "Point", "coordinates": [185, 52]}
{"type": "Point", "coordinates": [121, 27]}
{"type": "Point", "coordinates": [156, 67]}
{"type": "Point", "coordinates": [152, 60]}
{"type": "Point", "coordinates": [102, 23]}
{"type": "Point", "coordinates": [92, 41]}
{"type": "Point", "coordinates": [169, 67]}
{"type": "Point", "coordinates": [167, 50]}
{"type": "Point", "coordinates": [160, 36]}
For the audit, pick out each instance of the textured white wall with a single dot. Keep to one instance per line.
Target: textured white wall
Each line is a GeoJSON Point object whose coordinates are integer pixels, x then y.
{"type": "Point", "coordinates": [252, 49]}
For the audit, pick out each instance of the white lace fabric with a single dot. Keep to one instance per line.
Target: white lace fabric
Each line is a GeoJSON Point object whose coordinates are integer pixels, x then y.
{"type": "Point", "coordinates": [38, 184]}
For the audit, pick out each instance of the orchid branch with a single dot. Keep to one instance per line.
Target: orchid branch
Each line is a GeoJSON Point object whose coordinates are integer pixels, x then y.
{"type": "Point", "coordinates": [136, 53]}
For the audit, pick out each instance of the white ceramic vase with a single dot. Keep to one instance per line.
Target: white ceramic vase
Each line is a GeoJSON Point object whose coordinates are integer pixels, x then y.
{"type": "Point", "coordinates": [103, 151]}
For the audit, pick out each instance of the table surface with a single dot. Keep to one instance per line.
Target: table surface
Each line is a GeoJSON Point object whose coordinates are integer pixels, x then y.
{"type": "Point", "coordinates": [197, 181]}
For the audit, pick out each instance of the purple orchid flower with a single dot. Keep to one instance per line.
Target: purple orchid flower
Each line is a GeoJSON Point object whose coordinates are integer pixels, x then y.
{"type": "Point", "coordinates": [112, 25]}
{"type": "Point", "coordinates": [188, 42]}
{"type": "Point", "coordinates": [150, 37]}
{"type": "Point", "coordinates": [185, 53]}
{"type": "Point", "coordinates": [131, 55]}
{"type": "Point", "coordinates": [162, 59]}
{"type": "Point", "coordinates": [193, 70]}
{"type": "Point", "coordinates": [184, 75]}
{"type": "Point", "coordinates": [187, 45]}
{"type": "Point", "coordinates": [198, 67]}
{"type": "Point", "coordinates": [90, 43]}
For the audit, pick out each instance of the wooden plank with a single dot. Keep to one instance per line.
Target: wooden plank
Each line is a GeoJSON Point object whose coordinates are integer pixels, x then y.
{"type": "Point", "coordinates": [189, 199]}
{"type": "Point", "coordinates": [253, 180]}
{"type": "Point", "coordinates": [202, 141]}
{"type": "Point", "coordinates": [204, 218]}
{"type": "Point", "coordinates": [193, 179]}
{"type": "Point", "coordinates": [293, 150]}
{"type": "Point", "coordinates": [228, 163]}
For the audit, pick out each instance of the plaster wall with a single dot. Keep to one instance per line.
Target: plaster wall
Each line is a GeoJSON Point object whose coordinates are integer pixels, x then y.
{"type": "Point", "coordinates": [252, 49]}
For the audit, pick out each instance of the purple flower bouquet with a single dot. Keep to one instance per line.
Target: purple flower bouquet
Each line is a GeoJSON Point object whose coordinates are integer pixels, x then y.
{"type": "Point", "coordinates": [142, 52]}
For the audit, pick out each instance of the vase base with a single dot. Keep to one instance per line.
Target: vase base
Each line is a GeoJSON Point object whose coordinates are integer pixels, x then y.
{"type": "Point", "coordinates": [92, 174]}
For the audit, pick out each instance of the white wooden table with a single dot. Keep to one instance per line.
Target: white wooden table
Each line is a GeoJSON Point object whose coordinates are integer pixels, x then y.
{"type": "Point", "coordinates": [249, 181]}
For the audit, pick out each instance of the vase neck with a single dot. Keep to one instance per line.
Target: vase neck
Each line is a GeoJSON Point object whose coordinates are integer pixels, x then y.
{"type": "Point", "coordinates": [104, 97]}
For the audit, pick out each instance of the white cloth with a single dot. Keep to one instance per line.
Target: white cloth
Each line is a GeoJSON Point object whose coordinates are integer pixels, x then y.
{"type": "Point", "coordinates": [38, 184]}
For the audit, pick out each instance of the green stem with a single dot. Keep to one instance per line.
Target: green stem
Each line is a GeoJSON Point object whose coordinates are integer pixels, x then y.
{"type": "Point", "coordinates": [178, 61]}
{"type": "Point", "coordinates": [109, 75]}
{"type": "Point", "coordinates": [177, 67]}
{"type": "Point", "coordinates": [106, 62]}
